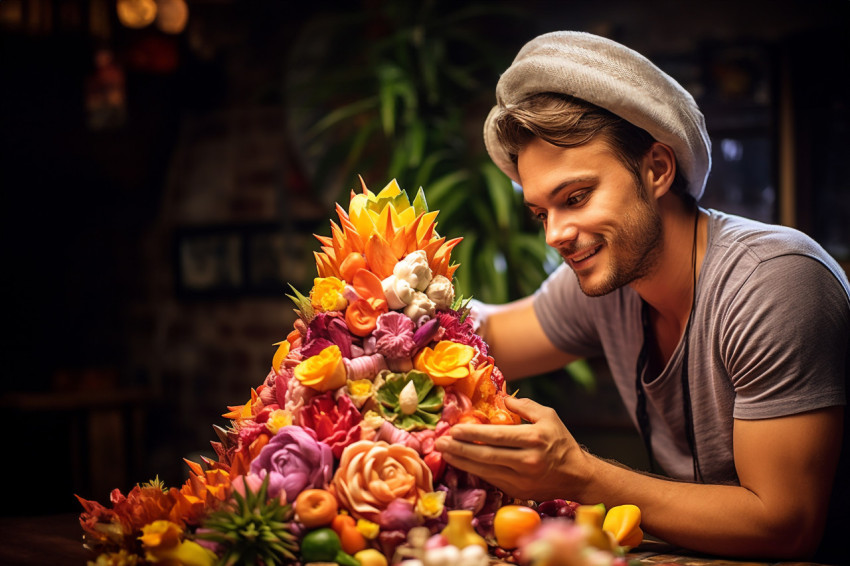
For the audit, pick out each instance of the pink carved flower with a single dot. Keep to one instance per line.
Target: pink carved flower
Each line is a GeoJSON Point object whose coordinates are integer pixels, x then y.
{"type": "Point", "coordinates": [335, 422]}
{"type": "Point", "coordinates": [432, 458]}
{"type": "Point", "coordinates": [460, 332]}
{"type": "Point", "coordinates": [371, 475]}
{"type": "Point", "coordinates": [279, 383]}
{"type": "Point", "coordinates": [394, 336]}
{"type": "Point", "coordinates": [392, 435]}
{"type": "Point", "coordinates": [455, 405]}
{"type": "Point", "coordinates": [296, 396]}
{"type": "Point", "coordinates": [268, 390]}
{"type": "Point", "coordinates": [250, 431]}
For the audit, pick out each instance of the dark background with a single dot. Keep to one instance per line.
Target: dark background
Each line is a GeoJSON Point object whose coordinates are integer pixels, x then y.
{"type": "Point", "coordinates": [114, 368]}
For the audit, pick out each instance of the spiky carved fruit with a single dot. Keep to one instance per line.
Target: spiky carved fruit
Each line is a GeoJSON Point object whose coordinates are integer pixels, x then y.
{"type": "Point", "coordinates": [253, 530]}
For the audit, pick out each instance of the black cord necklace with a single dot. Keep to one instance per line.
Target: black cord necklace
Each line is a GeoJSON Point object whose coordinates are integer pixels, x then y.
{"type": "Point", "coordinates": [640, 409]}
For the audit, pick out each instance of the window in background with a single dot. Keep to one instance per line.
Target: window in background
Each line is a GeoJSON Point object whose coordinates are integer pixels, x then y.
{"type": "Point", "coordinates": [741, 179]}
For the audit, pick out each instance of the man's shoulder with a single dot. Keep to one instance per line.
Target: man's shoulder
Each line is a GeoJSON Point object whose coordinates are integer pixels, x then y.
{"type": "Point", "coordinates": [763, 240]}
{"type": "Point", "coordinates": [742, 243]}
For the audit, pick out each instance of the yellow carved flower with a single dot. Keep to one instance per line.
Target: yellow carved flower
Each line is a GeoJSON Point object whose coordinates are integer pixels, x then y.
{"type": "Point", "coordinates": [280, 354]}
{"type": "Point", "coordinates": [396, 205]}
{"type": "Point", "coordinates": [278, 419]}
{"type": "Point", "coordinates": [326, 295]}
{"type": "Point", "coordinates": [161, 541]}
{"type": "Point", "coordinates": [368, 529]}
{"type": "Point", "coordinates": [324, 371]}
{"type": "Point", "coordinates": [430, 505]}
{"type": "Point", "coordinates": [446, 363]}
{"type": "Point", "coordinates": [160, 535]}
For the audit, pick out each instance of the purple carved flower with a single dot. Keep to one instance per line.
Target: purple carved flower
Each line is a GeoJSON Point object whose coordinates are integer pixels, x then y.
{"type": "Point", "coordinates": [427, 332]}
{"type": "Point", "coordinates": [324, 330]}
{"type": "Point", "coordinates": [399, 514]}
{"type": "Point", "coordinates": [294, 461]}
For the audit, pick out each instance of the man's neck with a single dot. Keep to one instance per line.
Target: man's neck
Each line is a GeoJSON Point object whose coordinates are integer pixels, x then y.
{"type": "Point", "coordinates": [668, 289]}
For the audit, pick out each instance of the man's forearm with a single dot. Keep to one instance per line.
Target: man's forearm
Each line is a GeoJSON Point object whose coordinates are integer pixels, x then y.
{"type": "Point", "coordinates": [718, 519]}
{"type": "Point", "coordinates": [517, 342]}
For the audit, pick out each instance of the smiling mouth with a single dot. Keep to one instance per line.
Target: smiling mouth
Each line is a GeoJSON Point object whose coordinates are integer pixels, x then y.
{"type": "Point", "coordinates": [577, 259]}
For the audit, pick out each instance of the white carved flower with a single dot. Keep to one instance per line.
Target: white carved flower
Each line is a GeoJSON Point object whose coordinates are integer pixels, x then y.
{"type": "Point", "coordinates": [441, 292]}
{"type": "Point", "coordinates": [398, 292]}
{"type": "Point", "coordinates": [414, 269]}
{"type": "Point", "coordinates": [420, 306]}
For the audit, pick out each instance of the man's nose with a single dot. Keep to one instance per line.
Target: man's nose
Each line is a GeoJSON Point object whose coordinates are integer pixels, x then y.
{"type": "Point", "coordinates": [560, 229]}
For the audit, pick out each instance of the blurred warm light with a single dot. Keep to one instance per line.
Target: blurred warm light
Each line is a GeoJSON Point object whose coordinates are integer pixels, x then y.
{"type": "Point", "coordinates": [11, 13]}
{"type": "Point", "coordinates": [173, 15]}
{"type": "Point", "coordinates": [136, 13]}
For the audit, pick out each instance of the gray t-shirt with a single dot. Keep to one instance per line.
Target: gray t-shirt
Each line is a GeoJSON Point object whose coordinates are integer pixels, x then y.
{"type": "Point", "coordinates": [769, 338]}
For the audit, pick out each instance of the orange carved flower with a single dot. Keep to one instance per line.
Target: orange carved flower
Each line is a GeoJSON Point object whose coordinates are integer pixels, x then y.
{"type": "Point", "coordinates": [381, 229]}
{"type": "Point", "coordinates": [371, 475]}
{"type": "Point", "coordinates": [213, 487]}
{"type": "Point", "coordinates": [361, 316]}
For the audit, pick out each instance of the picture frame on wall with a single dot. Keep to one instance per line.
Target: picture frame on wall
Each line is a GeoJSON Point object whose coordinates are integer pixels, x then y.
{"type": "Point", "coordinates": [231, 261]}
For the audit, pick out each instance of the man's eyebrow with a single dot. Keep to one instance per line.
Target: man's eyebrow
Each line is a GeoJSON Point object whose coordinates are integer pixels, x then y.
{"type": "Point", "coordinates": [562, 186]}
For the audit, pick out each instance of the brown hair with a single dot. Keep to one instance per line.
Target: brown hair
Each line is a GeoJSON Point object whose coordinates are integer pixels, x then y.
{"type": "Point", "coordinates": [566, 121]}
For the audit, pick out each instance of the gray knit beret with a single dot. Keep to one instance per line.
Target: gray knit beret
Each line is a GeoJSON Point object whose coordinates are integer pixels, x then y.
{"type": "Point", "coordinates": [616, 78]}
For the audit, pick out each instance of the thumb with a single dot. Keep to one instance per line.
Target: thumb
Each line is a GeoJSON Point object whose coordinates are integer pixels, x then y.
{"type": "Point", "coordinates": [529, 410]}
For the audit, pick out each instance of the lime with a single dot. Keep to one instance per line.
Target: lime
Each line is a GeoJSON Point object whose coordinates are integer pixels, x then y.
{"type": "Point", "coordinates": [321, 545]}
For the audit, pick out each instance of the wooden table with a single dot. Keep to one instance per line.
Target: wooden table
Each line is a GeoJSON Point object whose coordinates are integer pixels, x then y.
{"type": "Point", "coordinates": [57, 540]}
{"type": "Point", "coordinates": [50, 540]}
{"type": "Point", "coordinates": [658, 553]}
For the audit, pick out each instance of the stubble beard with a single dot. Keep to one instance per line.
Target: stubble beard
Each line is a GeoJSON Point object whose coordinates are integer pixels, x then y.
{"type": "Point", "coordinates": [633, 251]}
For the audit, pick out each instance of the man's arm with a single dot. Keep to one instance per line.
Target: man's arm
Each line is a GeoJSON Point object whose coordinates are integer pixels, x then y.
{"type": "Point", "coordinates": [786, 468]}
{"type": "Point", "coordinates": [517, 341]}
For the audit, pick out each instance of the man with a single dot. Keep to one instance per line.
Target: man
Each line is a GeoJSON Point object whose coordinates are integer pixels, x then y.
{"type": "Point", "coordinates": [727, 338]}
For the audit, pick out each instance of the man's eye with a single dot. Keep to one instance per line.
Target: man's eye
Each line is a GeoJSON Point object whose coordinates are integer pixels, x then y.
{"type": "Point", "coordinates": [539, 216]}
{"type": "Point", "coordinates": [577, 198]}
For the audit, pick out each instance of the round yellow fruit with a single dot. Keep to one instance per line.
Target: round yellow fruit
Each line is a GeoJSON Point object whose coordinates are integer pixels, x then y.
{"type": "Point", "coordinates": [371, 557]}
{"type": "Point", "coordinates": [512, 522]}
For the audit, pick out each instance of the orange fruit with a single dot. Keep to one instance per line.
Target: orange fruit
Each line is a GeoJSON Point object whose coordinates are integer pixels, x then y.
{"type": "Point", "coordinates": [350, 536]}
{"type": "Point", "coordinates": [513, 522]}
{"type": "Point", "coordinates": [315, 507]}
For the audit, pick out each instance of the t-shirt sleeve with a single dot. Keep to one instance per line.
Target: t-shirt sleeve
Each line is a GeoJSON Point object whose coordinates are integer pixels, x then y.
{"type": "Point", "coordinates": [785, 342]}
{"type": "Point", "coordinates": [565, 314]}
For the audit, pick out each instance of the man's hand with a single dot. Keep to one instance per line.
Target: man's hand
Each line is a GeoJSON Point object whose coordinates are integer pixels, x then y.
{"type": "Point", "coordinates": [539, 460]}
{"type": "Point", "coordinates": [786, 466]}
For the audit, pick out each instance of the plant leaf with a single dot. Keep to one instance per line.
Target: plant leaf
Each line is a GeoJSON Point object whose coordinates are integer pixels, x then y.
{"type": "Point", "coordinates": [499, 188]}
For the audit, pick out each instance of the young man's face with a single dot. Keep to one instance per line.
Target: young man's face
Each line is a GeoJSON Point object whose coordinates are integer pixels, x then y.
{"type": "Point", "coordinates": [592, 213]}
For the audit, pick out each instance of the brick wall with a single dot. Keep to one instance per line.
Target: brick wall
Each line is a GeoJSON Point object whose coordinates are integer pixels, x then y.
{"type": "Point", "coordinates": [201, 353]}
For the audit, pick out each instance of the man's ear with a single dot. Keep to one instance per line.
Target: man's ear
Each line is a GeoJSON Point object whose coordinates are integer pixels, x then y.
{"type": "Point", "coordinates": [659, 166]}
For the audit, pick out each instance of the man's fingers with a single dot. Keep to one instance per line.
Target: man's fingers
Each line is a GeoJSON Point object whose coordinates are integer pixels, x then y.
{"type": "Point", "coordinates": [495, 472]}
{"type": "Point", "coordinates": [527, 409]}
{"type": "Point", "coordinates": [467, 458]}
{"type": "Point", "coordinates": [505, 436]}
{"type": "Point", "coordinates": [486, 454]}
{"type": "Point", "coordinates": [502, 481]}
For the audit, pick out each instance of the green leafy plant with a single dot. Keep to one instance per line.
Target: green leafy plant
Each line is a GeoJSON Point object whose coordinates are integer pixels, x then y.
{"type": "Point", "coordinates": [400, 91]}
